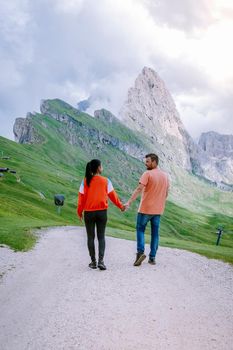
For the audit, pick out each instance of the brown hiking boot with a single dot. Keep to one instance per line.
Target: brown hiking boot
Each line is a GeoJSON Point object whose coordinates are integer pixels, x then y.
{"type": "Point", "coordinates": [139, 259]}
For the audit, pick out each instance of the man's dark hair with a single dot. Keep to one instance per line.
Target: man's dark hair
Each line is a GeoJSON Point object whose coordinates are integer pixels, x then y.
{"type": "Point", "coordinates": [153, 157]}
{"type": "Point", "coordinates": [91, 170]}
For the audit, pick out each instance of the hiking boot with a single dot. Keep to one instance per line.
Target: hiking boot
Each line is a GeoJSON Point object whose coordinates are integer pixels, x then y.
{"type": "Point", "coordinates": [101, 265]}
{"type": "Point", "coordinates": [139, 259]}
{"type": "Point", "coordinates": [152, 261]}
{"type": "Point", "coordinates": [93, 264]}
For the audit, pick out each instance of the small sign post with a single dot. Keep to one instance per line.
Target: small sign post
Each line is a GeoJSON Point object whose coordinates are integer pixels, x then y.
{"type": "Point", "coordinates": [219, 233]}
{"type": "Point", "coordinates": [59, 201]}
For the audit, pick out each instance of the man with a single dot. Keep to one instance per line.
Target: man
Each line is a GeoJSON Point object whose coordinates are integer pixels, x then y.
{"type": "Point", "coordinates": [153, 187]}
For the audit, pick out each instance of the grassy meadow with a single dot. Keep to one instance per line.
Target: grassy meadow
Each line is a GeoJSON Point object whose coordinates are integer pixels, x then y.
{"type": "Point", "coordinates": [55, 166]}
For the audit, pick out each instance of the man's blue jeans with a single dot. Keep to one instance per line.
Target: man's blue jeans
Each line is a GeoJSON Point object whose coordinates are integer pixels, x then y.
{"type": "Point", "coordinates": [142, 220]}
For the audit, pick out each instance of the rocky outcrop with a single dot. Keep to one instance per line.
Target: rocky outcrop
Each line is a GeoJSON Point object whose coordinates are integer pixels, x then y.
{"type": "Point", "coordinates": [58, 110]}
{"type": "Point", "coordinates": [105, 115]}
{"type": "Point", "coordinates": [150, 109]}
{"type": "Point", "coordinates": [216, 145]}
{"type": "Point", "coordinates": [24, 131]}
{"type": "Point", "coordinates": [90, 138]}
{"type": "Point", "coordinates": [216, 158]}
{"type": "Point", "coordinates": [74, 130]}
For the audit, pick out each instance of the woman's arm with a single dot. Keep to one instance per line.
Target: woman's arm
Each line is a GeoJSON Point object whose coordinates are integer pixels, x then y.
{"type": "Point", "coordinates": [114, 197]}
{"type": "Point", "coordinates": [81, 200]}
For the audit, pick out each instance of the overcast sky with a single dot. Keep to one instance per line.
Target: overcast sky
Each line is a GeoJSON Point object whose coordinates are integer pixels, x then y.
{"type": "Point", "coordinates": [71, 49]}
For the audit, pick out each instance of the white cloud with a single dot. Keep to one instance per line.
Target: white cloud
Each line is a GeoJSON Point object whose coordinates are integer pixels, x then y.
{"type": "Point", "coordinates": [71, 6]}
{"type": "Point", "coordinates": [186, 15]}
{"type": "Point", "coordinates": [71, 49]}
{"type": "Point", "coordinates": [10, 77]}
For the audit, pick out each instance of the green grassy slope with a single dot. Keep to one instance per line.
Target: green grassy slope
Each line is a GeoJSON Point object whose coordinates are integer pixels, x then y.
{"type": "Point", "coordinates": [55, 166]}
{"type": "Point", "coordinates": [187, 190]}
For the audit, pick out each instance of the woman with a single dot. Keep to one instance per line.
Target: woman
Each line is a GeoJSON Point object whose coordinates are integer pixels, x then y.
{"type": "Point", "coordinates": [93, 200]}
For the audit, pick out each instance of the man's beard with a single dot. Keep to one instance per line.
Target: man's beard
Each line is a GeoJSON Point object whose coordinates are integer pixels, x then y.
{"type": "Point", "coordinates": [149, 167]}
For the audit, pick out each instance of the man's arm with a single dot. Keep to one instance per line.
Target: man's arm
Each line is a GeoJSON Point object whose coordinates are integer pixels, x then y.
{"type": "Point", "coordinates": [135, 194]}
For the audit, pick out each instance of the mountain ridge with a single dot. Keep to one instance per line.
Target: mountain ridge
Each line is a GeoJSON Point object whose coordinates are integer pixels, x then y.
{"type": "Point", "coordinates": [94, 134]}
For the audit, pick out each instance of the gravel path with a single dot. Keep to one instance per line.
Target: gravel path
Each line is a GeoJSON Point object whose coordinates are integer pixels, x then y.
{"type": "Point", "coordinates": [50, 299]}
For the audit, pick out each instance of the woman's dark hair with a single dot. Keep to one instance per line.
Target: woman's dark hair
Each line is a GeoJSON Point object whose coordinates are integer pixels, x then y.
{"type": "Point", "coordinates": [91, 170]}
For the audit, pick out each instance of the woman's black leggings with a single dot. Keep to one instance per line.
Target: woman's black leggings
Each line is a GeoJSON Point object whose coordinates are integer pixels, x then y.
{"type": "Point", "coordinates": [96, 218]}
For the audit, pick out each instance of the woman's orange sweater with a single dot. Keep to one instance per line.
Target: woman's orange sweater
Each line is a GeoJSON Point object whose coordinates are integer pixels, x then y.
{"type": "Point", "coordinates": [95, 197]}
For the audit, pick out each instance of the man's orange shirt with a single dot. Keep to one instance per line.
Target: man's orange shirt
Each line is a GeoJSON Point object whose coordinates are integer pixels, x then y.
{"type": "Point", "coordinates": [154, 193]}
{"type": "Point", "coordinates": [95, 197]}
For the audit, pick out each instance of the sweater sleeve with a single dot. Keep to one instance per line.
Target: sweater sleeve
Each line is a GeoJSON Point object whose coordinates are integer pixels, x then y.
{"type": "Point", "coordinates": [80, 205]}
{"type": "Point", "coordinates": [113, 196]}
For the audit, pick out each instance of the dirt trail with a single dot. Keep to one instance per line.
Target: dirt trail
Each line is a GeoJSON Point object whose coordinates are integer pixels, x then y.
{"type": "Point", "coordinates": [50, 299]}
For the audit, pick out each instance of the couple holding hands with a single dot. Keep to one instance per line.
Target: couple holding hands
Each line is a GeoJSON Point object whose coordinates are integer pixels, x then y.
{"type": "Point", "coordinates": [93, 196]}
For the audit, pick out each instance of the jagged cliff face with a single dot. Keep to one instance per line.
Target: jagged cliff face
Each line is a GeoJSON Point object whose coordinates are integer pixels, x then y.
{"type": "Point", "coordinates": [105, 115]}
{"type": "Point", "coordinates": [216, 157]}
{"type": "Point", "coordinates": [216, 145]}
{"type": "Point", "coordinates": [151, 110]}
{"type": "Point", "coordinates": [24, 131]}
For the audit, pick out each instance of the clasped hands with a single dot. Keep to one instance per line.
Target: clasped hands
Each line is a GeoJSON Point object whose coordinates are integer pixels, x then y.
{"type": "Point", "coordinates": [125, 206]}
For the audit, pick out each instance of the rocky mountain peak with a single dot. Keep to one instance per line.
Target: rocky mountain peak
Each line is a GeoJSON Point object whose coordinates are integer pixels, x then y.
{"type": "Point", "coordinates": [154, 105]}
{"type": "Point", "coordinates": [150, 109]}
{"type": "Point", "coordinates": [216, 145]}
